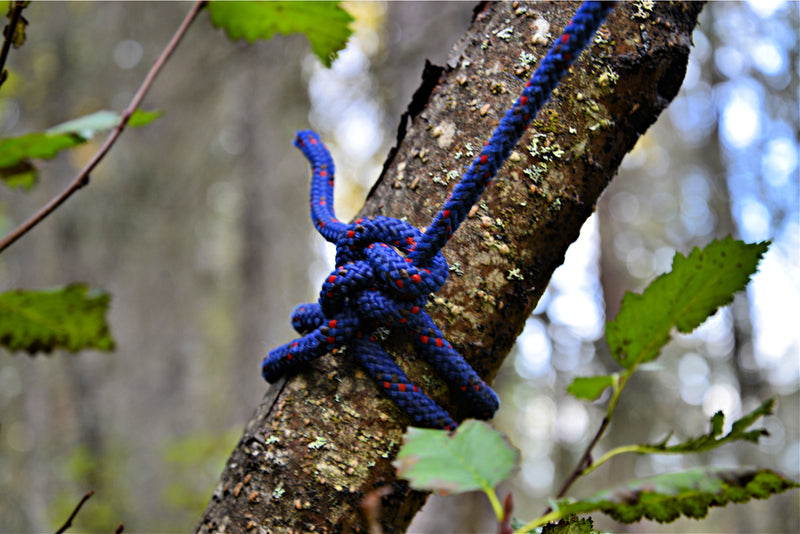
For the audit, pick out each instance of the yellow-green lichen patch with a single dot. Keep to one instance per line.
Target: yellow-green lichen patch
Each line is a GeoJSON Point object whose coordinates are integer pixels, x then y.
{"type": "Point", "coordinates": [642, 9]}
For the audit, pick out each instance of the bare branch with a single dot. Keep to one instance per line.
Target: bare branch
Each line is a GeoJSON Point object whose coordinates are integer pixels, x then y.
{"type": "Point", "coordinates": [74, 513]}
{"type": "Point", "coordinates": [83, 176]}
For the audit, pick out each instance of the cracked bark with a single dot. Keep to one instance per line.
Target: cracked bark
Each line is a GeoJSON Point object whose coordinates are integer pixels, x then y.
{"type": "Point", "coordinates": [324, 438]}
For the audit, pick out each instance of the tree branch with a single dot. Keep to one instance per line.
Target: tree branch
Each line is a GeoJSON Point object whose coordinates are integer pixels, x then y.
{"type": "Point", "coordinates": [74, 514]}
{"type": "Point", "coordinates": [83, 176]}
{"type": "Point", "coordinates": [11, 30]}
{"type": "Point", "coordinates": [326, 437]}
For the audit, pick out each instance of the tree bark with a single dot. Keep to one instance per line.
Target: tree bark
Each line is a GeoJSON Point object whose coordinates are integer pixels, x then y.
{"type": "Point", "coordinates": [325, 438]}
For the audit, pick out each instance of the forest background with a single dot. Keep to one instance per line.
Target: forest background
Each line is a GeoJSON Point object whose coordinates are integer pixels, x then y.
{"type": "Point", "coordinates": [197, 225]}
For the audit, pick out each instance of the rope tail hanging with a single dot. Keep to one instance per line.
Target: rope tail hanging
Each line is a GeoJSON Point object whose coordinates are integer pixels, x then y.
{"type": "Point", "coordinates": [374, 285]}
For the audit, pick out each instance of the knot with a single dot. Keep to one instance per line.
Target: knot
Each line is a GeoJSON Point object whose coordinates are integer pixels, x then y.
{"type": "Point", "coordinates": [376, 284]}
{"type": "Point", "coordinates": [376, 250]}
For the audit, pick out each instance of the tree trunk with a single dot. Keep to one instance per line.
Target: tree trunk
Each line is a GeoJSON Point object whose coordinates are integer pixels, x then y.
{"type": "Point", "coordinates": [325, 438]}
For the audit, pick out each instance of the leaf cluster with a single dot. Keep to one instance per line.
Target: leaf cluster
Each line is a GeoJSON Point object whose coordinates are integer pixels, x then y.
{"type": "Point", "coordinates": [698, 285]}
{"type": "Point", "coordinates": [666, 497]}
{"type": "Point", "coordinates": [70, 318]}
{"type": "Point", "coordinates": [16, 153]}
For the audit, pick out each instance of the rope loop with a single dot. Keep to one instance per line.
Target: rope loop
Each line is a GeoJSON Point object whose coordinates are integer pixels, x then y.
{"type": "Point", "coordinates": [374, 285]}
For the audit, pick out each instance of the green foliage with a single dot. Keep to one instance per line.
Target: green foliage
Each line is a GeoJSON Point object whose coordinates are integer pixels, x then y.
{"type": "Point", "coordinates": [325, 24]}
{"type": "Point", "coordinates": [474, 457]}
{"type": "Point", "coordinates": [140, 117]}
{"type": "Point", "coordinates": [591, 387]}
{"type": "Point", "coordinates": [18, 36]}
{"type": "Point", "coordinates": [666, 497]}
{"type": "Point", "coordinates": [16, 169]}
{"type": "Point", "coordinates": [16, 153]}
{"type": "Point", "coordinates": [71, 318]}
{"type": "Point", "coordinates": [570, 525]}
{"type": "Point", "coordinates": [89, 125]}
{"type": "Point", "coordinates": [683, 298]}
{"type": "Point", "coordinates": [711, 440]}
{"type": "Point", "coordinates": [477, 458]}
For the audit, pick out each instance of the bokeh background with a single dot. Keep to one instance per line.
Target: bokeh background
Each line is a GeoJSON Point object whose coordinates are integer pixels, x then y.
{"type": "Point", "coordinates": [198, 227]}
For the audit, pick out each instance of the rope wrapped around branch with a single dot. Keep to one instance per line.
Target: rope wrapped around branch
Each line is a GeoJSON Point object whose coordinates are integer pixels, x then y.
{"type": "Point", "coordinates": [386, 269]}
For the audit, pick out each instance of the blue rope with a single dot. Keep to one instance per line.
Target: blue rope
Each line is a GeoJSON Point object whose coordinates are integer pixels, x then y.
{"type": "Point", "coordinates": [386, 269]}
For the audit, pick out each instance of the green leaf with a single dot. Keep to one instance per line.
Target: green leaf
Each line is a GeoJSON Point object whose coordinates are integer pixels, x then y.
{"type": "Point", "coordinates": [709, 441]}
{"type": "Point", "coordinates": [18, 150]}
{"type": "Point", "coordinates": [591, 387]}
{"type": "Point", "coordinates": [326, 24]}
{"type": "Point", "coordinates": [21, 175]}
{"type": "Point", "coordinates": [570, 525]}
{"type": "Point", "coordinates": [16, 169]}
{"type": "Point", "coordinates": [140, 117]}
{"type": "Point", "coordinates": [664, 498]}
{"type": "Point", "coordinates": [474, 457]}
{"type": "Point", "coordinates": [684, 298]}
{"type": "Point", "coordinates": [71, 318]}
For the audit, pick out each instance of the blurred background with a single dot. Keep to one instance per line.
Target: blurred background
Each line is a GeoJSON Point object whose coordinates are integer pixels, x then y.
{"type": "Point", "coordinates": [197, 225]}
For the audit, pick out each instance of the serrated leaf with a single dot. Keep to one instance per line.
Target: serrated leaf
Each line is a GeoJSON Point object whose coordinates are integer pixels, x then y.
{"type": "Point", "coordinates": [664, 498]}
{"type": "Point", "coordinates": [71, 318]}
{"type": "Point", "coordinates": [590, 387]}
{"type": "Point", "coordinates": [710, 441]}
{"type": "Point", "coordinates": [570, 525]}
{"type": "Point", "coordinates": [16, 153]}
{"type": "Point", "coordinates": [325, 24]}
{"type": "Point", "coordinates": [683, 298]}
{"type": "Point", "coordinates": [474, 457]}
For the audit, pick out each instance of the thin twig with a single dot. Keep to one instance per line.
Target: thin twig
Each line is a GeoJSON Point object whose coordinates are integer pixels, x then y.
{"type": "Point", "coordinates": [584, 462]}
{"type": "Point", "coordinates": [74, 513]}
{"type": "Point", "coordinates": [586, 458]}
{"type": "Point", "coordinates": [16, 13]}
{"type": "Point", "coordinates": [83, 176]}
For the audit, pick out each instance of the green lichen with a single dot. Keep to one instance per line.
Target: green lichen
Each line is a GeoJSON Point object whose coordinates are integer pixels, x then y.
{"type": "Point", "coordinates": [536, 172]}
{"type": "Point", "coordinates": [608, 78]}
{"type": "Point", "coordinates": [526, 59]}
{"type": "Point", "coordinates": [642, 8]}
{"type": "Point", "coordinates": [515, 274]}
{"type": "Point", "coordinates": [505, 34]}
{"type": "Point", "coordinates": [319, 443]}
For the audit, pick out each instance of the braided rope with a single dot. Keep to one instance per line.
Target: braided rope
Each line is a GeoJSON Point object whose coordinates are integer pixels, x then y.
{"type": "Point", "coordinates": [516, 120]}
{"type": "Point", "coordinates": [386, 269]}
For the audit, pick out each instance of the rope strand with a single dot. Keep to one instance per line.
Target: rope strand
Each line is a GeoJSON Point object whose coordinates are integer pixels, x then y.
{"type": "Point", "coordinates": [516, 120]}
